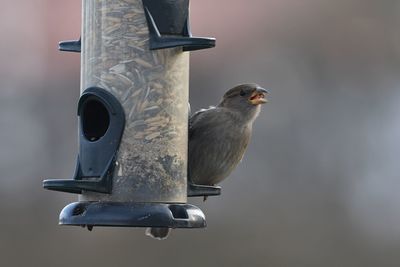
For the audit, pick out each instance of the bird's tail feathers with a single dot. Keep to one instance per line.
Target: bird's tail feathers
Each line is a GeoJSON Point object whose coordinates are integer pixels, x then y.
{"type": "Point", "coordinates": [159, 233]}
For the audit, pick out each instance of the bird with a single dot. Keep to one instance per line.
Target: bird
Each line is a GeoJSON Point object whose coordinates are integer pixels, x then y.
{"type": "Point", "coordinates": [218, 138]}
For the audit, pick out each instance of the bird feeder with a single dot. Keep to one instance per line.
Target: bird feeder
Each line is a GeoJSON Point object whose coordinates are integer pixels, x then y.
{"type": "Point", "coordinates": [133, 117]}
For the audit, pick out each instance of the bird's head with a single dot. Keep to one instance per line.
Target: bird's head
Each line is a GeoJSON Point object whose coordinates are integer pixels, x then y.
{"type": "Point", "coordinates": [245, 98]}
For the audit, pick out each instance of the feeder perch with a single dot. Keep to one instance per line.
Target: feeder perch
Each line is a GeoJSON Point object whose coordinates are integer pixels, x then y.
{"type": "Point", "coordinates": [133, 117]}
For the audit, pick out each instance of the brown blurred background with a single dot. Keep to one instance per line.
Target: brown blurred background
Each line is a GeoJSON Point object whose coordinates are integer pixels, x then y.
{"type": "Point", "coordinates": [318, 186]}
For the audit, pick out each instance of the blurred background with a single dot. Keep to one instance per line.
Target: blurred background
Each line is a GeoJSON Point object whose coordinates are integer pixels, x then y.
{"type": "Point", "coordinates": [319, 183]}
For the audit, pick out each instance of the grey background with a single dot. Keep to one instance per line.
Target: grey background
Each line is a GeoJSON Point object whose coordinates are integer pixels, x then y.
{"type": "Point", "coordinates": [318, 185]}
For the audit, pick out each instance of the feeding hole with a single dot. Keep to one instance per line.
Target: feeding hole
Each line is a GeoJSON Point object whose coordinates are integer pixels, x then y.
{"type": "Point", "coordinates": [178, 212]}
{"type": "Point", "coordinates": [78, 210]}
{"type": "Point", "coordinates": [95, 119]}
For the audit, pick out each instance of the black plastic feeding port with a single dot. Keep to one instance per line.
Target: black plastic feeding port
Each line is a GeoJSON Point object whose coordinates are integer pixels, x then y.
{"type": "Point", "coordinates": [102, 123]}
{"type": "Point", "coordinates": [70, 46]}
{"type": "Point", "coordinates": [95, 119]}
{"type": "Point", "coordinates": [168, 23]}
{"type": "Point", "coordinates": [195, 190]}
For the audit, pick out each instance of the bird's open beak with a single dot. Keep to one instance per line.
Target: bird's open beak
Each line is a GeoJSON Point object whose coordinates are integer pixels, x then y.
{"type": "Point", "coordinates": [259, 96]}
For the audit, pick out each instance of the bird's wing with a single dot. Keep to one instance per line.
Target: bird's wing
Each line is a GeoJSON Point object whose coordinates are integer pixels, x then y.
{"type": "Point", "coordinates": [216, 145]}
{"type": "Point", "coordinates": [198, 116]}
{"type": "Point", "coordinates": [200, 124]}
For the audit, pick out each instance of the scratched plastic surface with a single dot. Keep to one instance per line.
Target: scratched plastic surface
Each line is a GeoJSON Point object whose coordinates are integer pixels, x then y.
{"type": "Point", "coordinates": [152, 87]}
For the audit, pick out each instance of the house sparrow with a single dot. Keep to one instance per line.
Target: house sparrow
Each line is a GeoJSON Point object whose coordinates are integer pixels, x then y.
{"type": "Point", "coordinates": [218, 138]}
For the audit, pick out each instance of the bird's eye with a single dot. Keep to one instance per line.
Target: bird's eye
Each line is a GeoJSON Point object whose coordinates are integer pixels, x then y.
{"type": "Point", "coordinates": [242, 93]}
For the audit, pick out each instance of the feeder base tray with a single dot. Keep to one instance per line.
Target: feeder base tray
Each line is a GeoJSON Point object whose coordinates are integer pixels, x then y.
{"type": "Point", "coordinates": [131, 214]}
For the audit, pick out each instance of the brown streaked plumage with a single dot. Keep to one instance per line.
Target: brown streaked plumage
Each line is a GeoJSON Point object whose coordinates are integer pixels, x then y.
{"type": "Point", "coordinates": [219, 136]}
